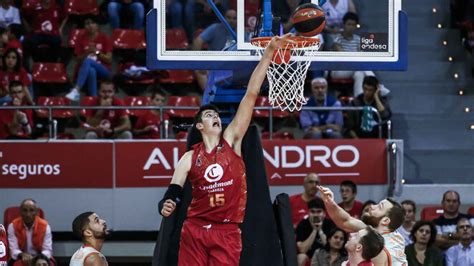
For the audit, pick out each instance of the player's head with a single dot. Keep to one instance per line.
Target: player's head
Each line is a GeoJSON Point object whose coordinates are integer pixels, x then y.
{"type": "Point", "coordinates": [348, 190]}
{"type": "Point", "coordinates": [350, 21]}
{"type": "Point", "coordinates": [316, 210]}
{"type": "Point", "coordinates": [366, 243]}
{"type": "Point", "coordinates": [207, 120]}
{"type": "Point", "coordinates": [89, 225]}
{"type": "Point", "coordinates": [319, 87]}
{"type": "Point", "coordinates": [311, 183]}
{"type": "Point", "coordinates": [387, 213]}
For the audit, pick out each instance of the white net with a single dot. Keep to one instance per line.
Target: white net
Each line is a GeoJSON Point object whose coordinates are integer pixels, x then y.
{"type": "Point", "coordinates": [287, 72]}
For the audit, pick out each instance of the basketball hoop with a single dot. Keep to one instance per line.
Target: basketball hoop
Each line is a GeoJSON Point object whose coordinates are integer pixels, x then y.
{"type": "Point", "coordinates": [287, 71]}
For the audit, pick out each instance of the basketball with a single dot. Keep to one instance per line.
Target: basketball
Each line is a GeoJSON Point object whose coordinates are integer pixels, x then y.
{"type": "Point", "coordinates": [308, 19]}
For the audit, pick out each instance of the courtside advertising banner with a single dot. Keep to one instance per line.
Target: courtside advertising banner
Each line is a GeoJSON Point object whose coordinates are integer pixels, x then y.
{"type": "Point", "coordinates": [152, 163]}
{"type": "Point", "coordinates": [56, 165]}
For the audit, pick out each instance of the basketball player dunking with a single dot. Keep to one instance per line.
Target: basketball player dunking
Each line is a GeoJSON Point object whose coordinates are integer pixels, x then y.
{"type": "Point", "coordinates": [211, 234]}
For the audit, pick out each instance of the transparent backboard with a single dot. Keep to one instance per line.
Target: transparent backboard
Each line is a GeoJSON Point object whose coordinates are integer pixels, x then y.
{"type": "Point", "coordinates": [382, 30]}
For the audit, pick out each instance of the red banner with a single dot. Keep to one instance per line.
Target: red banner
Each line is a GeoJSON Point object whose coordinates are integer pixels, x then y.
{"type": "Point", "coordinates": [56, 165]}
{"type": "Point", "coordinates": [151, 164]}
{"type": "Point", "coordinates": [363, 161]}
{"type": "Point", "coordinates": [147, 164]}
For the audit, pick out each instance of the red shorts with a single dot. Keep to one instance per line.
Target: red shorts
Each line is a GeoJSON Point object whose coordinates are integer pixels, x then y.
{"type": "Point", "coordinates": [214, 244]}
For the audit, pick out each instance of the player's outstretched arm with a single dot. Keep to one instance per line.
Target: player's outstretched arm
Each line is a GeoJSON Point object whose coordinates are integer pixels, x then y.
{"type": "Point", "coordinates": [339, 216]}
{"type": "Point", "coordinates": [239, 125]}
{"type": "Point", "coordinates": [172, 196]}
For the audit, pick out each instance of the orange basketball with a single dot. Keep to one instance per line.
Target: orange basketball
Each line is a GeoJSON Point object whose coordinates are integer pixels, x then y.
{"type": "Point", "coordinates": [308, 19]}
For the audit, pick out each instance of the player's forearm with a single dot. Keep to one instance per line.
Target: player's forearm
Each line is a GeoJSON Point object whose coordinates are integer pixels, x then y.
{"type": "Point", "coordinates": [338, 214]}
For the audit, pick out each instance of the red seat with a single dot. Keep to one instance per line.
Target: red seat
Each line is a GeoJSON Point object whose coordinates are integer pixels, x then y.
{"type": "Point", "coordinates": [29, 6]}
{"type": "Point", "coordinates": [346, 100]}
{"type": "Point", "coordinates": [189, 101]}
{"type": "Point", "coordinates": [431, 213]}
{"type": "Point", "coordinates": [54, 101]}
{"type": "Point", "coordinates": [176, 39]}
{"type": "Point", "coordinates": [49, 73]}
{"type": "Point", "coordinates": [11, 213]}
{"type": "Point", "coordinates": [86, 101]}
{"type": "Point", "coordinates": [74, 35]}
{"type": "Point", "coordinates": [471, 211]}
{"type": "Point", "coordinates": [283, 135]}
{"type": "Point", "coordinates": [262, 101]}
{"type": "Point", "coordinates": [128, 39]}
{"type": "Point", "coordinates": [136, 101]}
{"type": "Point", "coordinates": [176, 77]}
{"type": "Point", "coordinates": [81, 7]}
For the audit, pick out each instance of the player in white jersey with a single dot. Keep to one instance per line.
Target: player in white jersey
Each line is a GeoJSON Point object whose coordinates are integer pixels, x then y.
{"type": "Point", "coordinates": [385, 217]}
{"type": "Point", "coordinates": [92, 230]}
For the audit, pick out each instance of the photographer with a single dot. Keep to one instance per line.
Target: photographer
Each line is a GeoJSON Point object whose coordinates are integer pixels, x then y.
{"type": "Point", "coordinates": [311, 232]}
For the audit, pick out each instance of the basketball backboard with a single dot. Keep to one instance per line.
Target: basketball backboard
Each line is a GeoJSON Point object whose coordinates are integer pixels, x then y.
{"type": "Point", "coordinates": [383, 42]}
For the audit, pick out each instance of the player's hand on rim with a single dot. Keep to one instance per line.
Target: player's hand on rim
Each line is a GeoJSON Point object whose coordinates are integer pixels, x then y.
{"type": "Point", "coordinates": [277, 41]}
{"type": "Point", "coordinates": [168, 208]}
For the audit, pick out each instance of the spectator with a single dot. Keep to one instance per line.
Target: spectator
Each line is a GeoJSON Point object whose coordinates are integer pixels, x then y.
{"type": "Point", "coordinates": [348, 41]}
{"type": "Point", "coordinates": [335, 11]}
{"type": "Point", "coordinates": [47, 23]}
{"type": "Point", "coordinates": [3, 246]}
{"type": "Point", "coordinates": [216, 35]}
{"type": "Point", "coordinates": [363, 246]}
{"type": "Point", "coordinates": [174, 14]}
{"type": "Point", "coordinates": [107, 123]}
{"type": "Point", "coordinates": [12, 70]}
{"type": "Point", "coordinates": [41, 260]}
{"type": "Point", "coordinates": [149, 123]}
{"type": "Point", "coordinates": [363, 124]}
{"type": "Point", "coordinates": [423, 251]}
{"type": "Point", "coordinates": [94, 54]}
{"type": "Point", "coordinates": [299, 202]}
{"type": "Point", "coordinates": [333, 253]}
{"type": "Point", "coordinates": [133, 7]}
{"type": "Point", "coordinates": [349, 203]}
{"type": "Point", "coordinates": [462, 253]}
{"type": "Point", "coordinates": [410, 212]}
{"type": "Point", "coordinates": [311, 232]}
{"type": "Point", "coordinates": [29, 235]}
{"type": "Point", "coordinates": [367, 205]}
{"type": "Point", "coordinates": [13, 34]}
{"type": "Point", "coordinates": [16, 124]}
{"type": "Point", "coordinates": [9, 14]}
{"type": "Point", "coordinates": [92, 230]}
{"type": "Point", "coordinates": [446, 223]}
{"type": "Point", "coordinates": [318, 124]}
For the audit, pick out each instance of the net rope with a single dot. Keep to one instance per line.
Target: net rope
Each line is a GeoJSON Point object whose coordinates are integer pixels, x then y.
{"type": "Point", "coordinates": [286, 75]}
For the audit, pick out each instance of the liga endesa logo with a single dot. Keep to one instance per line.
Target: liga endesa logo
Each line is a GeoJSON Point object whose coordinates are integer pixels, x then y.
{"type": "Point", "coordinates": [374, 42]}
{"type": "Point", "coordinates": [23, 171]}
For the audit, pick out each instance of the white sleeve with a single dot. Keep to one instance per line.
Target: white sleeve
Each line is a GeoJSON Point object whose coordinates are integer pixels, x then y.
{"type": "Point", "coordinates": [48, 243]}
{"type": "Point", "coordinates": [16, 16]}
{"type": "Point", "coordinates": [13, 242]}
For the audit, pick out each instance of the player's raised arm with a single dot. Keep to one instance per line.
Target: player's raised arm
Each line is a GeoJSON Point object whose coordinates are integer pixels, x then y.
{"type": "Point", "coordinates": [172, 196]}
{"type": "Point", "coordinates": [339, 216]}
{"type": "Point", "coordinates": [239, 125]}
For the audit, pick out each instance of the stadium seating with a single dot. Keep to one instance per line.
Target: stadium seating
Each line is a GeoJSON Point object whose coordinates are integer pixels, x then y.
{"type": "Point", "coordinates": [54, 101]}
{"type": "Point", "coordinates": [176, 77]}
{"type": "Point", "coordinates": [262, 101]}
{"type": "Point", "coordinates": [136, 101]}
{"type": "Point", "coordinates": [176, 39]}
{"type": "Point", "coordinates": [128, 39]}
{"type": "Point", "coordinates": [81, 7]}
{"type": "Point", "coordinates": [181, 101]}
{"type": "Point", "coordinates": [86, 101]}
{"type": "Point", "coordinates": [431, 212]}
{"type": "Point", "coordinates": [73, 36]}
{"type": "Point", "coordinates": [281, 135]}
{"type": "Point", "coordinates": [49, 73]}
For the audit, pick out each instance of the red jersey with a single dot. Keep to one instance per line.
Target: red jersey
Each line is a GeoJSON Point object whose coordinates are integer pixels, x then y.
{"type": "Point", "coordinates": [149, 119]}
{"type": "Point", "coordinates": [21, 76]}
{"type": "Point", "coordinates": [101, 42]}
{"type": "Point", "coordinates": [6, 118]}
{"type": "Point", "coordinates": [356, 210]}
{"type": "Point", "coordinates": [299, 209]}
{"type": "Point", "coordinates": [219, 184]}
{"type": "Point", "coordinates": [113, 116]}
{"type": "Point", "coordinates": [3, 246]}
{"type": "Point", "coordinates": [46, 21]}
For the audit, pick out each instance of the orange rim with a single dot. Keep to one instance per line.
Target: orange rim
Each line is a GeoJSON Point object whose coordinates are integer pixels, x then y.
{"type": "Point", "coordinates": [299, 42]}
